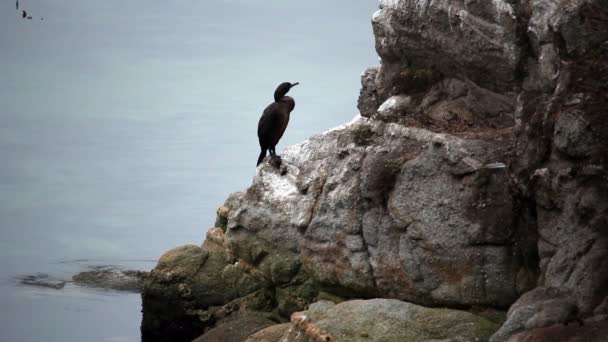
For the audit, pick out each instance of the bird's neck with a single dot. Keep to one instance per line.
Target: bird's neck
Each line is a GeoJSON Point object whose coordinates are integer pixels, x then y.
{"type": "Point", "coordinates": [288, 102]}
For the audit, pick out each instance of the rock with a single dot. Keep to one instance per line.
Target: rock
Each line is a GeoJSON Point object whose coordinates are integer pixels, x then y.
{"type": "Point", "coordinates": [292, 298]}
{"type": "Point", "coordinates": [272, 333]}
{"type": "Point", "coordinates": [393, 108]}
{"type": "Point", "coordinates": [550, 93]}
{"type": "Point", "coordinates": [42, 280]}
{"type": "Point", "coordinates": [573, 135]}
{"type": "Point", "coordinates": [237, 329]}
{"type": "Point", "coordinates": [476, 39]}
{"type": "Point", "coordinates": [385, 320]}
{"type": "Point", "coordinates": [369, 102]}
{"type": "Point", "coordinates": [109, 277]}
{"type": "Point", "coordinates": [538, 308]}
{"type": "Point", "coordinates": [453, 106]}
{"type": "Point", "coordinates": [561, 148]}
{"type": "Point", "coordinates": [573, 332]}
{"type": "Point", "coordinates": [348, 217]}
{"type": "Point", "coordinates": [101, 277]}
{"type": "Point", "coordinates": [203, 289]}
{"type": "Point", "coordinates": [222, 217]}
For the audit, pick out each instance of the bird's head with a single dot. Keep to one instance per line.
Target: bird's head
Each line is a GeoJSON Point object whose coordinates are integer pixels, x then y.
{"type": "Point", "coordinates": [283, 89]}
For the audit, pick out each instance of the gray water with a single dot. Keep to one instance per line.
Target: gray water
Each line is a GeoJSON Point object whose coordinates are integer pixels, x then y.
{"type": "Point", "coordinates": [125, 124]}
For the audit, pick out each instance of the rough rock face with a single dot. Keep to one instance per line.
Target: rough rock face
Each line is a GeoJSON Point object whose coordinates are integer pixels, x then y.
{"type": "Point", "coordinates": [475, 178]}
{"type": "Point", "coordinates": [385, 320]}
{"type": "Point", "coordinates": [382, 210]}
{"type": "Point", "coordinates": [538, 67]}
{"type": "Point", "coordinates": [477, 40]}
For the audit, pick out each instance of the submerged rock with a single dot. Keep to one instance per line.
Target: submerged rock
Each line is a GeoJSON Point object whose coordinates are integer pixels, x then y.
{"type": "Point", "coordinates": [110, 277]}
{"type": "Point", "coordinates": [42, 280]}
{"type": "Point", "coordinates": [102, 277]}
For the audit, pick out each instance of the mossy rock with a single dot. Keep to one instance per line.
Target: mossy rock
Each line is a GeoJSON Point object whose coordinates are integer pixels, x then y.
{"type": "Point", "coordinates": [296, 297]}
{"type": "Point", "coordinates": [187, 291]}
{"type": "Point", "coordinates": [221, 219]}
{"type": "Point", "coordinates": [183, 261]}
{"type": "Point", "coordinates": [362, 135]}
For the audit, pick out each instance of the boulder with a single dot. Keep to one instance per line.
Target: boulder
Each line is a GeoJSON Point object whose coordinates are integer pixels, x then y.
{"type": "Point", "coordinates": [385, 320]}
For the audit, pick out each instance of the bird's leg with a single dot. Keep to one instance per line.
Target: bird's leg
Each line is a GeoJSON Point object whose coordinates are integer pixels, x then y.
{"type": "Point", "coordinates": [274, 159]}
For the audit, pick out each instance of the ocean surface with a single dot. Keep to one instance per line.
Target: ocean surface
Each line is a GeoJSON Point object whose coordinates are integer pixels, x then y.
{"type": "Point", "coordinates": [125, 124]}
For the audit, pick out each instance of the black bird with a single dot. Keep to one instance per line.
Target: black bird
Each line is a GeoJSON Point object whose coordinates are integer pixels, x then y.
{"type": "Point", "coordinates": [23, 14]}
{"type": "Point", "coordinates": [274, 121]}
{"type": "Point", "coordinates": [17, 4]}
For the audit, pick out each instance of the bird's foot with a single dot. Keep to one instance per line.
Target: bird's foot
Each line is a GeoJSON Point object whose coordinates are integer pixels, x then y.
{"type": "Point", "coordinates": [275, 161]}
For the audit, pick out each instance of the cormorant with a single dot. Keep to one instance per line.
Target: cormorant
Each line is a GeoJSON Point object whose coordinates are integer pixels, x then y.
{"type": "Point", "coordinates": [274, 120]}
{"type": "Point", "coordinates": [17, 5]}
{"type": "Point", "coordinates": [23, 14]}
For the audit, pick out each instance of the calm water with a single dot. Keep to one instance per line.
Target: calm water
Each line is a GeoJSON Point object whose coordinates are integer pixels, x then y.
{"type": "Point", "coordinates": [125, 124]}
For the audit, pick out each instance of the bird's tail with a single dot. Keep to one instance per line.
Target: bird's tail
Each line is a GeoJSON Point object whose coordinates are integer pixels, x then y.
{"type": "Point", "coordinates": [262, 156]}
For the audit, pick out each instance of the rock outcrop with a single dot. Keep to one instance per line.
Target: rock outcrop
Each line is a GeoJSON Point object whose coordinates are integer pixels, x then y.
{"type": "Point", "coordinates": [194, 288]}
{"type": "Point", "coordinates": [106, 277]}
{"type": "Point", "coordinates": [475, 179]}
{"type": "Point", "coordinates": [382, 210]}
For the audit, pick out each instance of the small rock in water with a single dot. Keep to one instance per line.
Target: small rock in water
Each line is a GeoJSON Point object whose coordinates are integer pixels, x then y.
{"type": "Point", "coordinates": [42, 280]}
{"type": "Point", "coordinates": [110, 277]}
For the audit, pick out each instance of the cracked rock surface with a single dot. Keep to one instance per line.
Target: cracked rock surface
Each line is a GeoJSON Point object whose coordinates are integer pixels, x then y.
{"type": "Point", "coordinates": [384, 210]}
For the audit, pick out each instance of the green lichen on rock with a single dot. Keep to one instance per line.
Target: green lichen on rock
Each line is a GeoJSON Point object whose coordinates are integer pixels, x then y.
{"type": "Point", "coordinates": [330, 297]}
{"type": "Point", "coordinates": [296, 297]}
{"type": "Point", "coordinates": [201, 287]}
{"type": "Point", "coordinates": [182, 262]}
{"type": "Point", "coordinates": [362, 135]}
{"type": "Point", "coordinates": [221, 219]}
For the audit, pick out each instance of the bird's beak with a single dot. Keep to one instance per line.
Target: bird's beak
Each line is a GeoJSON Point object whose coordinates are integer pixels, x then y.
{"type": "Point", "coordinates": [294, 84]}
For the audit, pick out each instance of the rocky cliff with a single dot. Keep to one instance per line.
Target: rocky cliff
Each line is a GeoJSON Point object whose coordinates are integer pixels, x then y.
{"type": "Point", "coordinates": [468, 201]}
